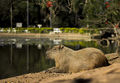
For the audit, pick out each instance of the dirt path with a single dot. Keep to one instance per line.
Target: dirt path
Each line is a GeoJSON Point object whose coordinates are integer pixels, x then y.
{"type": "Point", "coordinates": [37, 35]}
{"type": "Point", "coordinates": [110, 74]}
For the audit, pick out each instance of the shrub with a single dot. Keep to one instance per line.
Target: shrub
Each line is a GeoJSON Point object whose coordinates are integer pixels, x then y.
{"type": "Point", "coordinates": [48, 29]}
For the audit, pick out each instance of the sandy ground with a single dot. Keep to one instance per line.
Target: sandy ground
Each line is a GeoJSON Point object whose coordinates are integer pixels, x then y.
{"type": "Point", "coordinates": [109, 74]}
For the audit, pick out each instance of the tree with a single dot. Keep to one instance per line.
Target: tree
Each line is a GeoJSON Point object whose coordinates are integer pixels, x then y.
{"type": "Point", "coordinates": [92, 11]}
{"type": "Point", "coordinates": [76, 7]}
{"type": "Point", "coordinates": [4, 13]}
{"type": "Point", "coordinates": [64, 13]}
{"type": "Point", "coordinates": [112, 12]}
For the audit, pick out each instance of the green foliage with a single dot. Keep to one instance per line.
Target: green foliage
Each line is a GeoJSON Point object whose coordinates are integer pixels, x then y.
{"type": "Point", "coordinates": [82, 30]}
{"type": "Point", "coordinates": [48, 30]}
{"type": "Point", "coordinates": [69, 30]}
{"type": "Point", "coordinates": [81, 43]}
{"type": "Point", "coordinates": [64, 13]}
{"type": "Point", "coordinates": [113, 12]}
{"type": "Point", "coordinates": [40, 30]}
{"type": "Point", "coordinates": [92, 11]}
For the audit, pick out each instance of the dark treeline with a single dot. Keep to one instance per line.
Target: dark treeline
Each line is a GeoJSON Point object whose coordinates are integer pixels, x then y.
{"type": "Point", "coordinates": [64, 13]}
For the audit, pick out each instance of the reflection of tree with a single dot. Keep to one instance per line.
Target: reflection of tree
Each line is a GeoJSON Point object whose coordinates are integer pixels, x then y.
{"type": "Point", "coordinates": [84, 44]}
{"type": "Point", "coordinates": [81, 43]}
{"type": "Point", "coordinates": [11, 54]}
{"type": "Point", "coordinates": [27, 57]}
{"type": "Point", "coordinates": [36, 60]}
{"type": "Point", "coordinates": [6, 68]}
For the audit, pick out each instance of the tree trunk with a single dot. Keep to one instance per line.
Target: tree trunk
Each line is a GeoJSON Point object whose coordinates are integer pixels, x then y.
{"type": "Point", "coordinates": [76, 19]}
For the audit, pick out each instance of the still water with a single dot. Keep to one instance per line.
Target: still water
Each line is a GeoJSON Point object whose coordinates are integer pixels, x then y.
{"type": "Point", "coordinates": [28, 55]}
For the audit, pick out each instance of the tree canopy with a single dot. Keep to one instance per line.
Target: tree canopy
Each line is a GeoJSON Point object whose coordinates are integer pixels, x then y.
{"type": "Point", "coordinates": [63, 13]}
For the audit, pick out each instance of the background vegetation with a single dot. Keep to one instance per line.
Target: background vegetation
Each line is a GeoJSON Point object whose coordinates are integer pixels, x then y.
{"type": "Point", "coordinates": [49, 29]}
{"type": "Point", "coordinates": [64, 13]}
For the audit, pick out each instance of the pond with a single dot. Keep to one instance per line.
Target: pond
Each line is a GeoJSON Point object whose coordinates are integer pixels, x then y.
{"type": "Point", "coordinates": [20, 56]}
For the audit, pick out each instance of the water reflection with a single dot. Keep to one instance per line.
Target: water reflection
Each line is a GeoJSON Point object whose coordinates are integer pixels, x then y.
{"type": "Point", "coordinates": [29, 58]}
{"type": "Point", "coordinates": [11, 53]}
{"type": "Point", "coordinates": [23, 55]}
{"type": "Point", "coordinates": [39, 46]}
{"type": "Point", "coordinates": [18, 45]}
{"type": "Point", "coordinates": [57, 41]}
